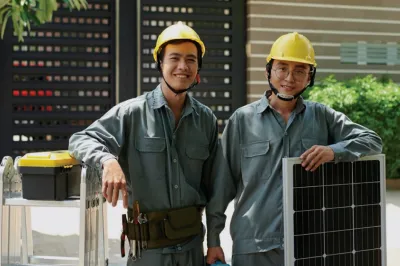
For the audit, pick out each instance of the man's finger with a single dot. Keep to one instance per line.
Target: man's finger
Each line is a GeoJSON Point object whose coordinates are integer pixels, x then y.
{"type": "Point", "coordinates": [322, 160]}
{"type": "Point", "coordinates": [104, 189]}
{"type": "Point", "coordinates": [316, 165]}
{"type": "Point", "coordinates": [115, 194]}
{"type": "Point", "coordinates": [221, 257]}
{"type": "Point", "coordinates": [110, 189]}
{"type": "Point", "coordinates": [124, 197]}
{"type": "Point", "coordinates": [316, 157]}
{"type": "Point", "coordinates": [307, 152]}
{"type": "Point", "coordinates": [308, 159]}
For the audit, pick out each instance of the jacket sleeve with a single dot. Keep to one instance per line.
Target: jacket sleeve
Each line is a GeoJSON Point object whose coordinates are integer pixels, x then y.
{"type": "Point", "coordinates": [209, 163]}
{"type": "Point", "coordinates": [101, 141]}
{"type": "Point", "coordinates": [225, 179]}
{"type": "Point", "coordinates": [350, 140]}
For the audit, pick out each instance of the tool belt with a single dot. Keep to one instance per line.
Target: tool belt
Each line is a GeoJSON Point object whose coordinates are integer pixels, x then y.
{"type": "Point", "coordinates": [165, 228]}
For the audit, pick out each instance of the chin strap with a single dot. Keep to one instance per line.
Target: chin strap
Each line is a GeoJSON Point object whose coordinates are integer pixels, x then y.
{"type": "Point", "coordinates": [285, 97]}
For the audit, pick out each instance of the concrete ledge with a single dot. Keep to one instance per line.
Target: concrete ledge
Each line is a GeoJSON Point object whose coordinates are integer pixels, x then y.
{"type": "Point", "coordinates": [393, 184]}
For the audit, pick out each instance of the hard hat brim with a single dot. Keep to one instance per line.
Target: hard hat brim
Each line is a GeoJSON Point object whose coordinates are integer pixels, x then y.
{"type": "Point", "coordinates": [291, 59]}
{"type": "Point", "coordinates": [162, 45]}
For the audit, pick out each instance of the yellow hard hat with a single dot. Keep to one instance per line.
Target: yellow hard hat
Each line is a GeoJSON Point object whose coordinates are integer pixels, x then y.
{"type": "Point", "coordinates": [293, 47]}
{"type": "Point", "coordinates": [178, 31]}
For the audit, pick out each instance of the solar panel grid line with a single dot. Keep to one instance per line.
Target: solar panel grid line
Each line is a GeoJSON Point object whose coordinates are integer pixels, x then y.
{"type": "Point", "coordinates": [344, 230]}
{"type": "Point", "coordinates": [352, 213]}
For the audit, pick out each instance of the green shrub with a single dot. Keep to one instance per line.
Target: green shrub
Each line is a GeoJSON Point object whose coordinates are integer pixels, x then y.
{"type": "Point", "coordinates": [371, 102]}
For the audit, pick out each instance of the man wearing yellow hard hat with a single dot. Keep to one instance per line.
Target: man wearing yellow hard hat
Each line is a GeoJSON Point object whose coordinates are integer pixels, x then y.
{"type": "Point", "coordinates": [257, 137]}
{"type": "Point", "coordinates": [158, 149]}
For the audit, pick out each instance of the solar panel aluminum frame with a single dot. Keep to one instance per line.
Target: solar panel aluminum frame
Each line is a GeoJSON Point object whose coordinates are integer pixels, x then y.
{"type": "Point", "coordinates": [288, 208]}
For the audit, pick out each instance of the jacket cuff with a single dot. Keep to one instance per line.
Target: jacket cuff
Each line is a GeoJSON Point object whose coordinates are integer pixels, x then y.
{"type": "Point", "coordinates": [106, 158]}
{"type": "Point", "coordinates": [213, 241]}
{"type": "Point", "coordinates": [339, 152]}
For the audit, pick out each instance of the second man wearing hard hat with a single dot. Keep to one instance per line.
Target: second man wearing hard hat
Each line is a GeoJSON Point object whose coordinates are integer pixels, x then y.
{"type": "Point", "coordinates": [257, 137]}
{"type": "Point", "coordinates": [158, 149]}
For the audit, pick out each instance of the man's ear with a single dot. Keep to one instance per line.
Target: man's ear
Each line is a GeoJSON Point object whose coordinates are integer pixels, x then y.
{"type": "Point", "coordinates": [268, 70]}
{"type": "Point", "coordinates": [266, 73]}
{"type": "Point", "coordinates": [311, 71]}
{"type": "Point", "coordinates": [159, 65]}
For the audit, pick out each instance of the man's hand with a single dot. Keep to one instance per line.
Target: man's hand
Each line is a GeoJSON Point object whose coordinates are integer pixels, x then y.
{"type": "Point", "coordinates": [214, 254]}
{"type": "Point", "coordinates": [114, 181]}
{"type": "Point", "coordinates": [315, 156]}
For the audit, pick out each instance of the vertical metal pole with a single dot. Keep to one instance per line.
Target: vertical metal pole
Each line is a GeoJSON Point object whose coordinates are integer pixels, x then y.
{"type": "Point", "coordinates": [2, 174]}
{"type": "Point", "coordinates": [105, 227]}
{"type": "Point", "coordinates": [24, 237]}
{"type": "Point", "coordinates": [82, 217]}
{"type": "Point", "coordinates": [100, 230]}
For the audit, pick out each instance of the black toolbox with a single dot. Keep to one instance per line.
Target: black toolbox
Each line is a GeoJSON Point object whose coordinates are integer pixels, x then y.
{"type": "Point", "coordinates": [53, 175]}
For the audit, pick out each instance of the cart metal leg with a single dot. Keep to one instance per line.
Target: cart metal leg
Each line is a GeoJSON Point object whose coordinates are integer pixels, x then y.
{"type": "Point", "coordinates": [6, 174]}
{"type": "Point", "coordinates": [83, 225]}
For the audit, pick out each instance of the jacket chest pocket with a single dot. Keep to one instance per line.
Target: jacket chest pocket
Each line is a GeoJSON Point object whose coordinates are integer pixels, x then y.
{"type": "Point", "coordinates": [256, 162]}
{"type": "Point", "coordinates": [152, 157]}
{"type": "Point", "coordinates": [196, 156]}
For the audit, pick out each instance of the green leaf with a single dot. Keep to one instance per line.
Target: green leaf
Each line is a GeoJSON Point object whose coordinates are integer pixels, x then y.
{"type": "Point", "coordinates": [79, 4]}
{"type": "Point", "coordinates": [2, 12]}
{"type": "Point", "coordinates": [3, 3]}
{"type": "Point", "coordinates": [71, 4]}
{"type": "Point", "coordinates": [83, 3]}
{"type": "Point", "coordinates": [20, 32]}
{"type": "Point", "coordinates": [16, 17]}
{"type": "Point", "coordinates": [53, 5]}
{"type": "Point", "coordinates": [25, 12]}
{"type": "Point", "coordinates": [3, 27]}
{"type": "Point", "coordinates": [45, 10]}
{"type": "Point", "coordinates": [24, 16]}
{"type": "Point", "coordinates": [34, 19]}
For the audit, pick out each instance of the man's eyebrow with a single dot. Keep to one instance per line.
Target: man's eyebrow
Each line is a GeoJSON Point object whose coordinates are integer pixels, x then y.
{"type": "Point", "coordinates": [175, 54]}
{"type": "Point", "coordinates": [300, 66]}
{"type": "Point", "coordinates": [178, 54]}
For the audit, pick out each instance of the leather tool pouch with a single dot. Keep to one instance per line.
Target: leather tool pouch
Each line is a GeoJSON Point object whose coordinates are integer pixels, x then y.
{"type": "Point", "coordinates": [167, 228]}
{"type": "Point", "coordinates": [183, 223]}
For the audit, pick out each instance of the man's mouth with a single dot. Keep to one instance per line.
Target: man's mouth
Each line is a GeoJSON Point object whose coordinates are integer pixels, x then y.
{"type": "Point", "coordinates": [287, 87]}
{"type": "Point", "coordinates": [181, 76]}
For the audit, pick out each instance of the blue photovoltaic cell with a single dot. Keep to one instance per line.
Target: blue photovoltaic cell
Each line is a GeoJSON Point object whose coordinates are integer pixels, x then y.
{"type": "Point", "coordinates": [337, 215]}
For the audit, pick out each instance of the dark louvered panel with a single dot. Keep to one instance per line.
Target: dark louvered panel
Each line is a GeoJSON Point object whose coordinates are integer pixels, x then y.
{"type": "Point", "coordinates": [62, 77]}
{"type": "Point", "coordinates": [221, 26]}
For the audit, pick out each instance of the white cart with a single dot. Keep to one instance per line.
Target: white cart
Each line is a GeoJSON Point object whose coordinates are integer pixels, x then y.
{"type": "Point", "coordinates": [16, 244]}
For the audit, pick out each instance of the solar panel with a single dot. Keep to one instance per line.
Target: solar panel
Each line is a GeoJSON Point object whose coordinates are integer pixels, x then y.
{"type": "Point", "coordinates": [335, 215]}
